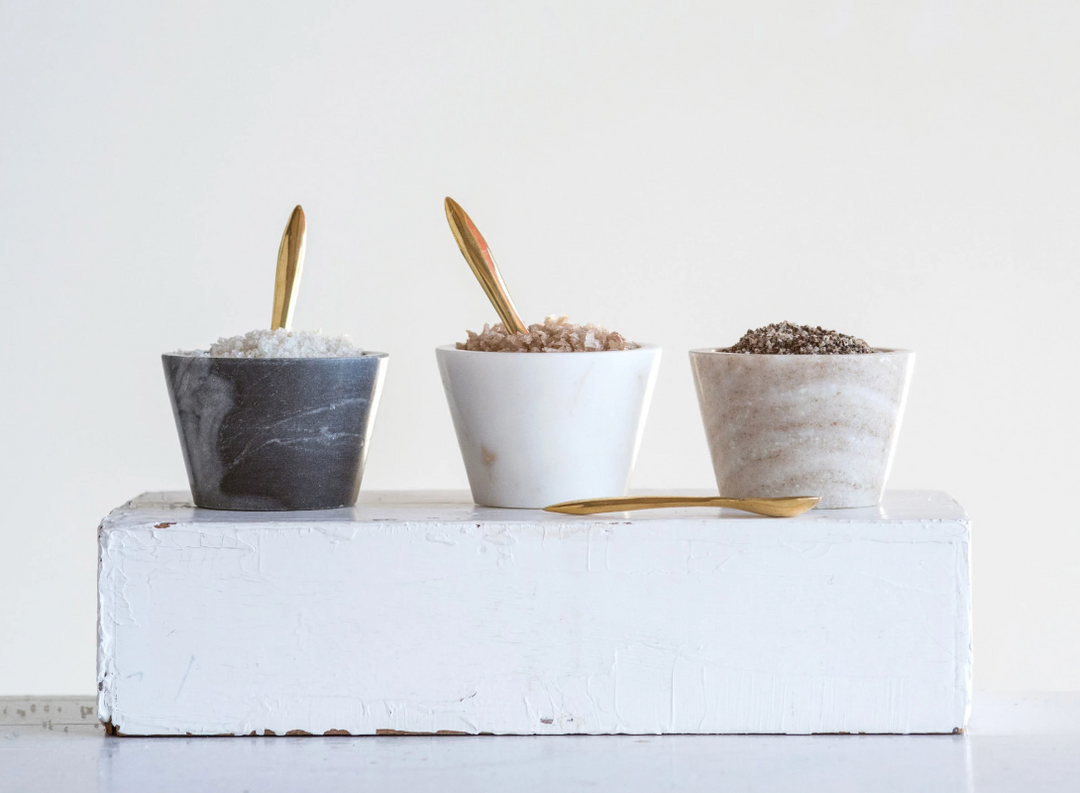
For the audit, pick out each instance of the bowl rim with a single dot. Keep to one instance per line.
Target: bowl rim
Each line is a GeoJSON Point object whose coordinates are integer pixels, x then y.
{"type": "Point", "coordinates": [364, 354]}
{"type": "Point", "coordinates": [877, 352]}
{"type": "Point", "coordinates": [642, 347]}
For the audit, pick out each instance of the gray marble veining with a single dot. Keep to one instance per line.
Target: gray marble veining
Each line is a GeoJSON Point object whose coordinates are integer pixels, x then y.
{"type": "Point", "coordinates": [815, 425]}
{"type": "Point", "coordinates": [274, 433]}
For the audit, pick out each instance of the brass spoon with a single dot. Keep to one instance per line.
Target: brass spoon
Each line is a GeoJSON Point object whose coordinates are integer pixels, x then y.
{"type": "Point", "coordinates": [773, 507]}
{"type": "Point", "coordinates": [290, 261]}
{"type": "Point", "coordinates": [477, 253]}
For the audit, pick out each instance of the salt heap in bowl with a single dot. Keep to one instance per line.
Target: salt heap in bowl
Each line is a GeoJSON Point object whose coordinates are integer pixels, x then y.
{"type": "Point", "coordinates": [275, 420]}
{"type": "Point", "coordinates": [280, 344]}
{"type": "Point", "coordinates": [535, 430]}
{"type": "Point", "coordinates": [554, 334]}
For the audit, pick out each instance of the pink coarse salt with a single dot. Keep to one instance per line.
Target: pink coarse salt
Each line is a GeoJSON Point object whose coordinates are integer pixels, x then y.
{"type": "Point", "coordinates": [554, 334]}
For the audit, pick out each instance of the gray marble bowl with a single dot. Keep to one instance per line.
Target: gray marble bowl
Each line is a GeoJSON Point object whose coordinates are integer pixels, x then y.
{"type": "Point", "coordinates": [803, 425]}
{"type": "Point", "coordinates": [274, 433]}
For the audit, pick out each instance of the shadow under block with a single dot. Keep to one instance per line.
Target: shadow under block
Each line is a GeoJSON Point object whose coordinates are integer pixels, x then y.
{"type": "Point", "coordinates": [420, 612]}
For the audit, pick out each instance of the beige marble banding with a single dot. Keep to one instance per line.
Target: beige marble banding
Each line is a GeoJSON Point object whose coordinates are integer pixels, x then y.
{"type": "Point", "coordinates": [815, 425]}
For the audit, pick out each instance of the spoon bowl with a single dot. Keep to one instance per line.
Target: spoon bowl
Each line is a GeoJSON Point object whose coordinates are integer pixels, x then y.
{"type": "Point", "coordinates": [478, 254]}
{"type": "Point", "coordinates": [290, 263]}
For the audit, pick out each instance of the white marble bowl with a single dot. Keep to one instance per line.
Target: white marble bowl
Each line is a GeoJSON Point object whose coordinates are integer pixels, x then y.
{"type": "Point", "coordinates": [539, 428]}
{"type": "Point", "coordinates": [803, 425]}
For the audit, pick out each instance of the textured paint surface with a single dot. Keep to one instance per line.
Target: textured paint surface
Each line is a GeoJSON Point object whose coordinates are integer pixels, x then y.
{"type": "Point", "coordinates": [423, 613]}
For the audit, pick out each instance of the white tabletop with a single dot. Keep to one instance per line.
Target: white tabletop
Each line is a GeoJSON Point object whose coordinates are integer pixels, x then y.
{"type": "Point", "coordinates": [1015, 742]}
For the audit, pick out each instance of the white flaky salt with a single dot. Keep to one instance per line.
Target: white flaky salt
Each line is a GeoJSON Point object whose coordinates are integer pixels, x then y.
{"type": "Point", "coordinates": [280, 344]}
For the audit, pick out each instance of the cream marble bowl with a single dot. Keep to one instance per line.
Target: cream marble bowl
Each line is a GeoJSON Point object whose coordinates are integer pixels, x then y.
{"type": "Point", "coordinates": [539, 428]}
{"type": "Point", "coordinates": [803, 425]}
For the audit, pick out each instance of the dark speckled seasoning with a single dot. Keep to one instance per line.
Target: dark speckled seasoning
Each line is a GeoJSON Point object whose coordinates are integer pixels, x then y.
{"type": "Point", "coordinates": [274, 433]}
{"type": "Point", "coordinates": [783, 338]}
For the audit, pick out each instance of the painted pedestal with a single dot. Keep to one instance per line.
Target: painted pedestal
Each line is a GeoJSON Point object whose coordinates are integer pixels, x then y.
{"type": "Point", "coordinates": [420, 612]}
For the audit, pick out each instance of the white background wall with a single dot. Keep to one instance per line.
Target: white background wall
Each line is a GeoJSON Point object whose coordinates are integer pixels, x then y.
{"type": "Point", "coordinates": [904, 171]}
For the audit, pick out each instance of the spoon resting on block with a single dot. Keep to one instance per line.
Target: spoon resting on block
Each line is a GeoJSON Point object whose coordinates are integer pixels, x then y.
{"type": "Point", "coordinates": [773, 507]}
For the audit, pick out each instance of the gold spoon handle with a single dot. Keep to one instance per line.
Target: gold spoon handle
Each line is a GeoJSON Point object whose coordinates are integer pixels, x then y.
{"type": "Point", "coordinates": [477, 253]}
{"type": "Point", "coordinates": [773, 507]}
{"type": "Point", "coordinates": [290, 261]}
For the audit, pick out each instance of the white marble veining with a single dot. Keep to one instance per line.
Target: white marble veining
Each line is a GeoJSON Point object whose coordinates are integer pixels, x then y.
{"type": "Point", "coordinates": [813, 425]}
{"type": "Point", "coordinates": [539, 428]}
{"type": "Point", "coordinates": [424, 613]}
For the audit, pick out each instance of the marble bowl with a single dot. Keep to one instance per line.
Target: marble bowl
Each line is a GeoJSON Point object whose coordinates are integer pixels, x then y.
{"type": "Point", "coordinates": [803, 425]}
{"type": "Point", "coordinates": [539, 428]}
{"type": "Point", "coordinates": [274, 433]}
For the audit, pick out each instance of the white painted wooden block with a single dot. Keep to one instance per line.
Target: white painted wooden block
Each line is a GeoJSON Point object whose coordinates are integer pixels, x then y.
{"type": "Point", "coordinates": [419, 612]}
